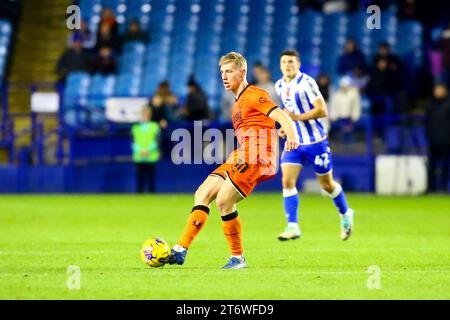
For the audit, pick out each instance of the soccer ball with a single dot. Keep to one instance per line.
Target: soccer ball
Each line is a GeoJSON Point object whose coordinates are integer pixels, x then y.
{"type": "Point", "coordinates": [154, 251]}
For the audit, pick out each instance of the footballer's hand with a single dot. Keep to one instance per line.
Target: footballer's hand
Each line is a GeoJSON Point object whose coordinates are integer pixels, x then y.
{"type": "Point", "coordinates": [291, 144]}
{"type": "Point", "coordinates": [282, 133]}
{"type": "Point", "coordinates": [295, 117]}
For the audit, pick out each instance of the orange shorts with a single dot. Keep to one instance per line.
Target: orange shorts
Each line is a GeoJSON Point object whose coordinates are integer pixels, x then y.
{"type": "Point", "coordinates": [245, 175]}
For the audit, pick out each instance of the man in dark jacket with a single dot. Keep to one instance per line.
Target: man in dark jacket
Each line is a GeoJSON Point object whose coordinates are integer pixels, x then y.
{"type": "Point", "coordinates": [351, 58]}
{"type": "Point", "coordinates": [73, 59]}
{"type": "Point", "coordinates": [437, 126]}
{"type": "Point", "coordinates": [196, 107]}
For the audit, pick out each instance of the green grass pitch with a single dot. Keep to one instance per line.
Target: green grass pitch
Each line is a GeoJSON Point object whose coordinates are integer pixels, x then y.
{"type": "Point", "coordinates": [408, 238]}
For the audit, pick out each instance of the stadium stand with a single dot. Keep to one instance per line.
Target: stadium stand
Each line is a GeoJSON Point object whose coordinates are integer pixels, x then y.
{"type": "Point", "coordinates": [259, 29]}
{"type": "Point", "coordinates": [187, 37]}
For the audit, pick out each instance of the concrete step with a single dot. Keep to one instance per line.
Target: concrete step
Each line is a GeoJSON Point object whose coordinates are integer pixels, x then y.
{"type": "Point", "coordinates": [4, 156]}
{"type": "Point", "coordinates": [41, 39]}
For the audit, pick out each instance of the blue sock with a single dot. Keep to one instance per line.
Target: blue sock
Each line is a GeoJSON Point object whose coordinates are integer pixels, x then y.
{"type": "Point", "coordinates": [339, 199]}
{"type": "Point", "coordinates": [291, 202]}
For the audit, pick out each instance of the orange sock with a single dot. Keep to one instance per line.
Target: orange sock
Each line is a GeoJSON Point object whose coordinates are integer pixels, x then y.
{"type": "Point", "coordinates": [232, 230]}
{"type": "Point", "coordinates": [194, 224]}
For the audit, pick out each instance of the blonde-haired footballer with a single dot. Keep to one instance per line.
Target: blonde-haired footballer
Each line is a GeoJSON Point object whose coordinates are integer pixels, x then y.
{"type": "Point", "coordinates": [253, 116]}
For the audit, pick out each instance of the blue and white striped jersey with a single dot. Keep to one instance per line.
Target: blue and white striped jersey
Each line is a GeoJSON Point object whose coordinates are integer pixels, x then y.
{"type": "Point", "coordinates": [298, 97]}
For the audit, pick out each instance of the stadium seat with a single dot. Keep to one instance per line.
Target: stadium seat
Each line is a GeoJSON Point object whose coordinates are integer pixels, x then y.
{"type": "Point", "coordinates": [128, 84]}
{"type": "Point", "coordinates": [179, 48]}
{"type": "Point", "coordinates": [5, 38]}
{"type": "Point", "coordinates": [101, 88]}
{"type": "Point", "coordinates": [75, 97]}
{"type": "Point", "coordinates": [409, 44]}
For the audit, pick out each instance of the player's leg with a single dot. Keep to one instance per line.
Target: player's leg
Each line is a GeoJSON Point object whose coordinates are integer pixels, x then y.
{"type": "Point", "coordinates": [290, 174]}
{"type": "Point", "coordinates": [204, 195]}
{"type": "Point", "coordinates": [335, 191]}
{"type": "Point", "coordinates": [140, 177]}
{"type": "Point", "coordinates": [319, 154]}
{"type": "Point", "coordinates": [226, 200]}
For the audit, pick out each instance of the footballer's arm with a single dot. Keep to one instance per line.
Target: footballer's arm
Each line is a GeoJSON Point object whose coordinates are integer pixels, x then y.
{"type": "Point", "coordinates": [287, 126]}
{"type": "Point", "coordinates": [319, 111]}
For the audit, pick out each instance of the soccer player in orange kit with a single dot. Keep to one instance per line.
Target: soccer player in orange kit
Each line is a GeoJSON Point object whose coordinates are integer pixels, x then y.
{"type": "Point", "coordinates": [254, 116]}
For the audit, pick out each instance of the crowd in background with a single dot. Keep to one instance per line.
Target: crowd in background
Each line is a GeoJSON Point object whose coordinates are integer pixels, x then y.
{"type": "Point", "coordinates": [391, 86]}
{"type": "Point", "coordinates": [97, 52]}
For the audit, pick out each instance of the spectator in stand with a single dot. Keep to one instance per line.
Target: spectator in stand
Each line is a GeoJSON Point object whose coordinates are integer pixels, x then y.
{"type": "Point", "coordinates": [359, 79]}
{"type": "Point", "coordinates": [106, 38]}
{"type": "Point", "coordinates": [323, 81]}
{"type": "Point", "coordinates": [351, 58]}
{"type": "Point", "coordinates": [165, 105]}
{"type": "Point", "coordinates": [381, 86]}
{"type": "Point", "coordinates": [73, 59]}
{"type": "Point", "coordinates": [263, 80]}
{"type": "Point", "coordinates": [256, 70]}
{"type": "Point", "coordinates": [345, 109]}
{"type": "Point", "coordinates": [408, 10]}
{"type": "Point", "coordinates": [226, 103]}
{"type": "Point", "coordinates": [135, 33]}
{"type": "Point", "coordinates": [108, 19]}
{"type": "Point", "coordinates": [384, 51]}
{"type": "Point", "coordinates": [310, 4]}
{"type": "Point", "coordinates": [85, 35]}
{"type": "Point", "coordinates": [438, 134]}
{"type": "Point", "coordinates": [105, 63]}
{"type": "Point", "coordinates": [196, 107]}
{"type": "Point", "coordinates": [394, 63]}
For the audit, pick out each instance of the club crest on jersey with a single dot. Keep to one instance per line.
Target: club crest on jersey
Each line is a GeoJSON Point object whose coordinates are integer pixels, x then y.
{"type": "Point", "coordinates": [237, 117]}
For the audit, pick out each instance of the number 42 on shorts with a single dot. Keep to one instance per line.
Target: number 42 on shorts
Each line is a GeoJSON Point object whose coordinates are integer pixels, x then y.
{"type": "Point", "coordinates": [322, 160]}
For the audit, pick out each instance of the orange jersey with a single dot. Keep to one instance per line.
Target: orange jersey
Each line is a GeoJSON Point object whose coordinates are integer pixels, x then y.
{"type": "Point", "coordinates": [251, 111]}
{"type": "Point", "coordinates": [255, 160]}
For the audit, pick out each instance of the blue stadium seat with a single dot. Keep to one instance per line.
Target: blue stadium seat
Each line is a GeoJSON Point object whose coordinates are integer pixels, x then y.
{"type": "Point", "coordinates": [77, 89]}
{"type": "Point", "coordinates": [76, 95]}
{"type": "Point", "coordinates": [128, 84]}
{"type": "Point", "coordinates": [5, 27]}
{"type": "Point", "coordinates": [101, 88]}
{"type": "Point", "coordinates": [259, 29]}
{"type": "Point", "coordinates": [285, 28]}
{"type": "Point", "coordinates": [5, 36]}
{"type": "Point", "coordinates": [409, 43]}
{"type": "Point", "coordinates": [310, 39]}
{"type": "Point", "coordinates": [358, 31]}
